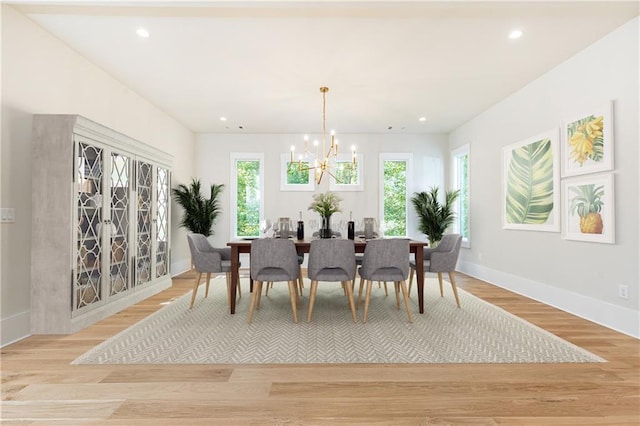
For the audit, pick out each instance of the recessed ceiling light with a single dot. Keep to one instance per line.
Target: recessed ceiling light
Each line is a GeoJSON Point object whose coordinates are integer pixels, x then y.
{"type": "Point", "coordinates": [423, 119]}
{"type": "Point", "coordinates": [142, 32]}
{"type": "Point", "coordinates": [223, 118]}
{"type": "Point", "coordinates": [515, 34]}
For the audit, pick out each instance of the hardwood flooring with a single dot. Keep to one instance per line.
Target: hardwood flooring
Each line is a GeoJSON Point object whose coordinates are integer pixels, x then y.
{"type": "Point", "coordinates": [39, 386]}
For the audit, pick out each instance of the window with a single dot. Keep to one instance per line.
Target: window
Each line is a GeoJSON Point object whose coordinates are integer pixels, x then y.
{"type": "Point", "coordinates": [296, 175]}
{"type": "Point", "coordinates": [394, 172]}
{"type": "Point", "coordinates": [246, 194]}
{"type": "Point", "coordinates": [460, 180]}
{"type": "Point", "coordinates": [348, 173]}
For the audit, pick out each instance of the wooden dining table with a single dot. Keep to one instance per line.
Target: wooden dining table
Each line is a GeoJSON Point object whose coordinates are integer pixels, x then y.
{"type": "Point", "coordinates": [303, 246]}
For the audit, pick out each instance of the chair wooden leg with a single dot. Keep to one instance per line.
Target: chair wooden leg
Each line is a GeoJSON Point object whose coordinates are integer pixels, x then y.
{"type": "Point", "coordinates": [295, 289]}
{"type": "Point", "coordinates": [266, 290]}
{"type": "Point", "coordinates": [411, 279]}
{"type": "Point", "coordinates": [300, 280]}
{"type": "Point", "coordinates": [386, 291]}
{"type": "Point", "coordinates": [366, 301]}
{"type": "Point", "coordinates": [405, 294]}
{"type": "Point", "coordinates": [206, 289]}
{"type": "Point", "coordinates": [454, 287]}
{"type": "Point", "coordinates": [294, 302]}
{"type": "Point", "coordinates": [196, 284]}
{"type": "Point", "coordinates": [312, 299]}
{"type": "Point", "coordinates": [360, 293]}
{"type": "Point", "coordinates": [352, 306]}
{"type": "Point", "coordinates": [259, 296]}
{"type": "Point", "coordinates": [396, 285]}
{"type": "Point", "coordinates": [254, 296]}
{"type": "Point", "coordinates": [440, 282]}
{"type": "Point", "coordinates": [238, 287]}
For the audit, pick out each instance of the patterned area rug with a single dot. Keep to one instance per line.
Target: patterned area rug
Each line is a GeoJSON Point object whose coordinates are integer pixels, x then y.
{"type": "Point", "coordinates": [207, 334]}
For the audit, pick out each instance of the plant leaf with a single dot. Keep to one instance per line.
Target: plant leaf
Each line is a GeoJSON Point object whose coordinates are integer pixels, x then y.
{"type": "Point", "coordinates": [529, 193]}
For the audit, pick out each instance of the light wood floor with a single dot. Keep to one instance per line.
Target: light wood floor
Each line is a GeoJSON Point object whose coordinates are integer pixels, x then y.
{"type": "Point", "coordinates": [39, 386]}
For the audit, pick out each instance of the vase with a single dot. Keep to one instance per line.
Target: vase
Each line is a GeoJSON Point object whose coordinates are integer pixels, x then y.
{"type": "Point", "coordinates": [325, 228]}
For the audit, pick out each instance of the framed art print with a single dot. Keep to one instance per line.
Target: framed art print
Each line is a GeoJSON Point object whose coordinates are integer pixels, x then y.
{"type": "Point", "coordinates": [587, 142]}
{"type": "Point", "coordinates": [531, 184]}
{"type": "Point", "coordinates": [588, 213]}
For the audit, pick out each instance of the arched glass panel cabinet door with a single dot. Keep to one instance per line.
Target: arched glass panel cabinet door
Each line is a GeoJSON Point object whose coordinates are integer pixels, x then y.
{"type": "Point", "coordinates": [152, 259]}
{"type": "Point", "coordinates": [100, 221]}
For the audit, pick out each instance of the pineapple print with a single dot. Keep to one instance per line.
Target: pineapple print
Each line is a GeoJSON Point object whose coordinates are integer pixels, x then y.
{"type": "Point", "coordinates": [585, 139]}
{"type": "Point", "coordinates": [587, 204]}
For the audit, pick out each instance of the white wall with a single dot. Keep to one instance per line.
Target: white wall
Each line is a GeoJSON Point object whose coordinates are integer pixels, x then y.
{"type": "Point", "coordinates": [580, 277]}
{"type": "Point", "coordinates": [41, 75]}
{"type": "Point", "coordinates": [213, 165]}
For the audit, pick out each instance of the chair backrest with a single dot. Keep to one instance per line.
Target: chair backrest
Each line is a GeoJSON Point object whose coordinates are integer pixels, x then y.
{"type": "Point", "coordinates": [370, 226]}
{"type": "Point", "coordinates": [285, 228]}
{"type": "Point", "coordinates": [445, 256]}
{"type": "Point", "coordinates": [331, 254]}
{"type": "Point", "coordinates": [205, 257]}
{"type": "Point", "coordinates": [386, 257]}
{"type": "Point", "coordinates": [274, 255]}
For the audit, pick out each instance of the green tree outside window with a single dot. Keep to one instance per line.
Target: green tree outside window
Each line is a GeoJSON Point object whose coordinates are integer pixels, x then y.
{"type": "Point", "coordinates": [297, 174]}
{"type": "Point", "coordinates": [395, 198]}
{"type": "Point", "coordinates": [248, 197]}
{"type": "Point", "coordinates": [464, 196]}
{"type": "Point", "coordinates": [346, 173]}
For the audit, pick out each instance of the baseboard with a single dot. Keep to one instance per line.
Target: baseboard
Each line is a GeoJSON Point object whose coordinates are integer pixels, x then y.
{"type": "Point", "coordinates": [607, 314]}
{"type": "Point", "coordinates": [180, 267]}
{"type": "Point", "coordinates": [15, 328]}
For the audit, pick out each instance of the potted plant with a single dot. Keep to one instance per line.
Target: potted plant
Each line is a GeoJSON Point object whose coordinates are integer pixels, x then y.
{"type": "Point", "coordinates": [325, 204]}
{"type": "Point", "coordinates": [200, 213]}
{"type": "Point", "coordinates": [434, 217]}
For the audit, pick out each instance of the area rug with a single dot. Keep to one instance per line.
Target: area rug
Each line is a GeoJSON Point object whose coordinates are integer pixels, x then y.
{"type": "Point", "coordinates": [478, 332]}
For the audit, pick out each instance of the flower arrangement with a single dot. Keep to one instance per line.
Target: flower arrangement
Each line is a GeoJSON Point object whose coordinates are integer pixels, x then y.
{"type": "Point", "coordinates": [325, 204]}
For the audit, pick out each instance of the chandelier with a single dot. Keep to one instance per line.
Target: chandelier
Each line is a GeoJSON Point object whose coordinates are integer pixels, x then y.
{"type": "Point", "coordinates": [327, 159]}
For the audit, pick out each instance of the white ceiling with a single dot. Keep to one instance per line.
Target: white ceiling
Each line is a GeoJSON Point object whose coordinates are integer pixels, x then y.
{"type": "Point", "coordinates": [261, 63]}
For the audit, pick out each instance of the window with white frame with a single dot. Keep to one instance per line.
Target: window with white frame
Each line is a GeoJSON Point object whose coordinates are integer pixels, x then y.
{"type": "Point", "coordinates": [395, 170]}
{"type": "Point", "coordinates": [247, 177]}
{"type": "Point", "coordinates": [460, 180]}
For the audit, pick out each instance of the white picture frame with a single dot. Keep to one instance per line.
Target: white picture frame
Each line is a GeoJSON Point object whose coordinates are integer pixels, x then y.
{"type": "Point", "coordinates": [285, 177]}
{"type": "Point", "coordinates": [600, 228]}
{"type": "Point", "coordinates": [531, 184]}
{"type": "Point", "coordinates": [588, 150]}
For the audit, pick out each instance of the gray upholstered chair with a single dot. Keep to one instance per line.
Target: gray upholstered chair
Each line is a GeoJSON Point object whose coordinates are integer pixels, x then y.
{"type": "Point", "coordinates": [442, 258]}
{"type": "Point", "coordinates": [274, 259]}
{"type": "Point", "coordinates": [300, 279]}
{"type": "Point", "coordinates": [385, 260]}
{"type": "Point", "coordinates": [210, 260]}
{"type": "Point", "coordinates": [332, 260]}
{"type": "Point", "coordinates": [359, 258]}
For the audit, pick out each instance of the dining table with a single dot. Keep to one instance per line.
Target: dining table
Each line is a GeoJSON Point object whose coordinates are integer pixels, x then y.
{"type": "Point", "coordinates": [302, 246]}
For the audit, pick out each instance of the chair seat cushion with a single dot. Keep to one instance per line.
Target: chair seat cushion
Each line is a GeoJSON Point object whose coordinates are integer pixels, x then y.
{"type": "Point", "coordinates": [332, 275]}
{"type": "Point", "coordinates": [226, 265]}
{"type": "Point", "coordinates": [427, 263]}
{"type": "Point", "coordinates": [384, 274]}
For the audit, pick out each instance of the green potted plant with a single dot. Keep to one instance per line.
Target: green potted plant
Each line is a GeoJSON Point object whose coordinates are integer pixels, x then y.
{"type": "Point", "coordinates": [434, 217]}
{"type": "Point", "coordinates": [200, 213]}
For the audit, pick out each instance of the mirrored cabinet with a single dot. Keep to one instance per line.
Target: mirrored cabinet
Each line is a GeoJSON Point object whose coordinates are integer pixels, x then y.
{"type": "Point", "coordinates": [100, 233]}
